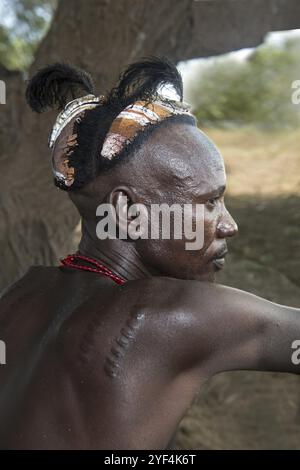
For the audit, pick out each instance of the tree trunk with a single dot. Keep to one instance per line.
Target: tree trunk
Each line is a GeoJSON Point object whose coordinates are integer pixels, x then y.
{"type": "Point", "coordinates": [37, 219]}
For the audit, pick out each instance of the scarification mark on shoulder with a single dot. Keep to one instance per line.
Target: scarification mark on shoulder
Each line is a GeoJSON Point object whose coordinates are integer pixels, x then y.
{"type": "Point", "coordinates": [122, 342]}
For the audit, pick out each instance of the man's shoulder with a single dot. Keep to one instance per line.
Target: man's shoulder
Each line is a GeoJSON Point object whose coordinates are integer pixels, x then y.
{"type": "Point", "coordinates": [175, 316]}
{"type": "Point", "coordinates": [162, 294]}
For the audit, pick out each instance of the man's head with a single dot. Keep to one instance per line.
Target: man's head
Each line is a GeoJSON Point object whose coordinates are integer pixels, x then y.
{"type": "Point", "coordinates": [170, 162]}
{"type": "Point", "coordinates": [177, 164]}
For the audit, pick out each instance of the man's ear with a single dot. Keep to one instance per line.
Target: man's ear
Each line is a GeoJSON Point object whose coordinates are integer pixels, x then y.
{"type": "Point", "coordinates": [122, 198]}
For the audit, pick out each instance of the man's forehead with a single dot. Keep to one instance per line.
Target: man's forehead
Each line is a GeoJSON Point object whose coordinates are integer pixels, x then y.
{"type": "Point", "coordinates": [188, 155]}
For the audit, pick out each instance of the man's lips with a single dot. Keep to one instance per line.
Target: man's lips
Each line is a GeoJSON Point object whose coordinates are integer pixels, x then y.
{"type": "Point", "coordinates": [219, 260]}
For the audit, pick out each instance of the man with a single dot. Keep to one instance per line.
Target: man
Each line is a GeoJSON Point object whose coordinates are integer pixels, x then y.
{"type": "Point", "coordinates": [109, 350]}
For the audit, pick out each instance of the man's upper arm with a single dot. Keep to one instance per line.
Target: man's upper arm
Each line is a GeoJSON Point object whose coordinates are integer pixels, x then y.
{"type": "Point", "coordinates": [220, 328]}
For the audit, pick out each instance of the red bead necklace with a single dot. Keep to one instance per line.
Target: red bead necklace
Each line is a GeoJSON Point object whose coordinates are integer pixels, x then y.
{"type": "Point", "coordinates": [72, 262]}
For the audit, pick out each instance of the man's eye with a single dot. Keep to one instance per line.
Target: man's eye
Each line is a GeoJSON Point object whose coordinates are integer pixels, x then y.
{"type": "Point", "coordinates": [212, 202]}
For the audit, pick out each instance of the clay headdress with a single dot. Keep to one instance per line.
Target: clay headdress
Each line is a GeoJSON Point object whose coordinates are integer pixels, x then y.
{"type": "Point", "coordinates": [93, 130]}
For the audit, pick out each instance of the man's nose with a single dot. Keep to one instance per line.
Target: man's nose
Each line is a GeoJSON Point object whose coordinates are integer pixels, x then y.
{"type": "Point", "coordinates": [227, 226]}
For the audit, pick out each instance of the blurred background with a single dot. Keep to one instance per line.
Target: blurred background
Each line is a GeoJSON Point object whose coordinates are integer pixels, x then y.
{"type": "Point", "coordinates": [238, 60]}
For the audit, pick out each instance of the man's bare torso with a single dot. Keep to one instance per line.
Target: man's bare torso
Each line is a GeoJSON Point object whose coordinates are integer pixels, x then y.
{"type": "Point", "coordinates": [86, 365]}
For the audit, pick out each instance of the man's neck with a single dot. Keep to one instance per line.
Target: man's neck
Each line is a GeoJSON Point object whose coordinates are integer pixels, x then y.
{"type": "Point", "coordinates": [118, 255]}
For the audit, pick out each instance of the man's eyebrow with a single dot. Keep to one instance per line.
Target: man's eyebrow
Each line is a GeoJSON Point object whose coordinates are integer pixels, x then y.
{"type": "Point", "coordinates": [215, 192]}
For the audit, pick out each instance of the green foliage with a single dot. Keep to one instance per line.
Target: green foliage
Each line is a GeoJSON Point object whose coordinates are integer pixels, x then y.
{"type": "Point", "coordinates": [19, 38]}
{"type": "Point", "coordinates": [257, 90]}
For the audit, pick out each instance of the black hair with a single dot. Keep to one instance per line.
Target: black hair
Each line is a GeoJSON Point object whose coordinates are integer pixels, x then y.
{"type": "Point", "coordinates": [55, 84]}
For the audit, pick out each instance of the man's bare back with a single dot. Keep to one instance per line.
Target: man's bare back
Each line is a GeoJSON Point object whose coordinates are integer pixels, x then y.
{"type": "Point", "coordinates": [85, 366]}
{"type": "Point", "coordinates": [94, 365]}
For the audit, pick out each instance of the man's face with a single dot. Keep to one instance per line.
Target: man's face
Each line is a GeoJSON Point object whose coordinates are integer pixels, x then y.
{"type": "Point", "coordinates": [186, 168]}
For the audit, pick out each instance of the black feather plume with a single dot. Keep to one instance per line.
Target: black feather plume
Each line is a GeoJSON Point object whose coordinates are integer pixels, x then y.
{"type": "Point", "coordinates": [53, 86]}
{"type": "Point", "coordinates": [141, 80]}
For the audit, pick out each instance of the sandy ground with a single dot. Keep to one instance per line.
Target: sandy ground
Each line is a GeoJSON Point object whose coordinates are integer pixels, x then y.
{"type": "Point", "coordinates": [255, 410]}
